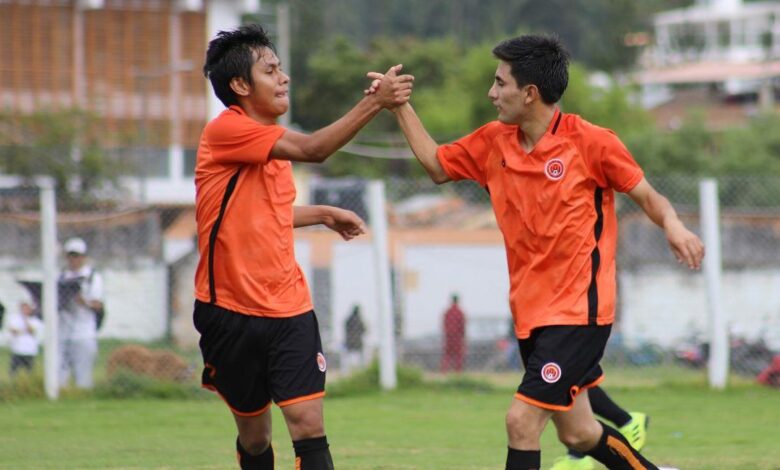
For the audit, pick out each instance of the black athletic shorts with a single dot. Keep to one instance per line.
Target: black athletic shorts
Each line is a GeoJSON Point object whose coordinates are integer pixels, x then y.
{"type": "Point", "coordinates": [560, 361]}
{"type": "Point", "coordinates": [251, 360]}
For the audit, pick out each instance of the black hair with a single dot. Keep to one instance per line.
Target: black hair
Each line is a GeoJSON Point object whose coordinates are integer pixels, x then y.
{"type": "Point", "coordinates": [537, 60]}
{"type": "Point", "coordinates": [231, 55]}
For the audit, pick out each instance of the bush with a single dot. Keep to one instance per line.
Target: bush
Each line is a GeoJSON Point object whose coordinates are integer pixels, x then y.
{"type": "Point", "coordinates": [367, 381]}
{"type": "Point", "coordinates": [124, 384]}
{"type": "Point", "coordinates": [22, 386]}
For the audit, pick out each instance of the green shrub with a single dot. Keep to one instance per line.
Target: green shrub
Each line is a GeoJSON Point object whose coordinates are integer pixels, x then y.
{"type": "Point", "coordinates": [22, 386]}
{"type": "Point", "coordinates": [125, 384]}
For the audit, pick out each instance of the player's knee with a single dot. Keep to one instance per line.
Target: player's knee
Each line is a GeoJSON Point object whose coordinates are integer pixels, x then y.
{"type": "Point", "coordinates": [581, 438]}
{"type": "Point", "coordinates": [522, 427]}
{"type": "Point", "coordinates": [256, 443]}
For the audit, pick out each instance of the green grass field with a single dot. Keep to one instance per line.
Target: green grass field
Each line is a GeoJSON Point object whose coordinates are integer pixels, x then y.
{"type": "Point", "coordinates": [440, 427]}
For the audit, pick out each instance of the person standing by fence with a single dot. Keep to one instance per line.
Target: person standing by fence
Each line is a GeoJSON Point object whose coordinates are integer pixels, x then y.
{"type": "Point", "coordinates": [454, 347]}
{"type": "Point", "coordinates": [81, 296]}
{"type": "Point", "coordinates": [25, 329]}
{"type": "Point", "coordinates": [354, 330]}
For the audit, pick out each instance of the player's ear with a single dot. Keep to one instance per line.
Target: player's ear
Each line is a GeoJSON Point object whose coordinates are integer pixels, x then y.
{"type": "Point", "coordinates": [531, 93]}
{"type": "Point", "coordinates": [240, 86]}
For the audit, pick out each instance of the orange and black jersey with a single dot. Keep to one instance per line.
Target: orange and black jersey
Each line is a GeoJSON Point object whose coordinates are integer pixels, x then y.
{"type": "Point", "coordinates": [244, 211]}
{"type": "Point", "coordinates": [555, 207]}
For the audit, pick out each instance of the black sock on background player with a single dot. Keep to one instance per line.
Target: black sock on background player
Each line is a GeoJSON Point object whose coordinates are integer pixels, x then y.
{"type": "Point", "coordinates": [603, 406]}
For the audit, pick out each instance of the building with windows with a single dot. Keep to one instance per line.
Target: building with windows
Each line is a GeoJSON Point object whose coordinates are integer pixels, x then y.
{"type": "Point", "coordinates": [136, 64]}
{"type": "Point", "coordinates": [720, 56]}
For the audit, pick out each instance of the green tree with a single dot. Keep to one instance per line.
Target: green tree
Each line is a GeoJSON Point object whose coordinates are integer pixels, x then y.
{"type": "Point", "coordinates": [68, 145]}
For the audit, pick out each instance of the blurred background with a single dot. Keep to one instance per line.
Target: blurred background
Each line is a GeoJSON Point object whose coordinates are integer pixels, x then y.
{"type": "Point", "coordinates": [106, 100]}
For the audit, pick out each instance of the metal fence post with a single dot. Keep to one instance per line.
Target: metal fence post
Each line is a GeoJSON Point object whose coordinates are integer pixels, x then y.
{"type": "Point", "coordinates": [378, 220]}
{"type": "Point", "coordinates": [49, 292]}
{"type": "Point", "coordinates": [718, 366]}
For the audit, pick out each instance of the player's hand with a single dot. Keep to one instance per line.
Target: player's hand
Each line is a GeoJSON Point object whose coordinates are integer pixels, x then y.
{"type": "Point", "coordinates": [686, 246]}
{"type": "Point", "coordinates": [345, 222]}
{"type": "Point", "coordinates": [390, 88]}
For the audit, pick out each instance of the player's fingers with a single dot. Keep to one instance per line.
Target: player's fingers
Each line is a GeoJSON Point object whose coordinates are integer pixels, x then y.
{"type": "Point", "coordinates": [393, 71]}
{"type": "Point", "coordinates": [375, 75]}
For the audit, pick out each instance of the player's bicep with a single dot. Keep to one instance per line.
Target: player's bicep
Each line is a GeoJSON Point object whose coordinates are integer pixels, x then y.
{"type": "Point", "coordinates": [292, 145]}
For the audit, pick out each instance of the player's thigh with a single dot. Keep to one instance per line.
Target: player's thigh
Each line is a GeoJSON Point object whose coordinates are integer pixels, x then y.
{"type": "Point", "coordinates": [577, 426]}
{"type": "Point", "coordinates": [559, 362]}
{"type": "Point", "coordinates": [296, 363]}
{"type": "Point", "coordinates": [234, 349]}
{"type": "Point", "coordinates": [305, 419]}
{"type": "Point", "coordinates": [525, 422]}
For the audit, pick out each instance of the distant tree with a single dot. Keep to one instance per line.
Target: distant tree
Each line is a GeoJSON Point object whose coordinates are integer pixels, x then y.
{"type": "Point", "coordinates": [68, 145]}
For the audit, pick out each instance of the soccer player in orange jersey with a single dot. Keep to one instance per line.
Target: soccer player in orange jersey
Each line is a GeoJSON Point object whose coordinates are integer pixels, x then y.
{"type": "Point", "coordinates": [259, 336]}
{"type": "Point", "coordinates": [551, 178]}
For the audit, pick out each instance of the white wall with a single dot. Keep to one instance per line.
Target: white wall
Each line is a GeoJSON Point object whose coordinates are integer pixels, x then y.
{"type": "Point", "coordinates": [665, 306]}
{"type": "Point", "coordinates": [136, 303]}
{"type": "Point", "coordinates": [432, 273]}
{"type": "Point", "coordinates": [353, 281]}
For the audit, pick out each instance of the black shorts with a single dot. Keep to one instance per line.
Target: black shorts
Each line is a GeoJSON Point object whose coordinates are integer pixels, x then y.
{"type": "Point", "coordinates": [560, 361]}
{"type": "Point", "coordinates": [251, 360]}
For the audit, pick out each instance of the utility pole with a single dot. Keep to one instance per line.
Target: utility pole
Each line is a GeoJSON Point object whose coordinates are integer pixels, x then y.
{"type": "Point", "coordinates": [283, 49]}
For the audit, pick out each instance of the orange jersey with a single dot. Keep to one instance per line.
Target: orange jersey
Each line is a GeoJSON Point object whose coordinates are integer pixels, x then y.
{"type": "Point", "coordinates": [244, 211]}
{"type": "Point", "coordinates": [555, 207]}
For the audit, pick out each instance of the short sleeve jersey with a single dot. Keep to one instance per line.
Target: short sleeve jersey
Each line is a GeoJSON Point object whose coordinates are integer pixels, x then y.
{"type": "Point", "coordinates": [555, 207]}
{"type": "Point", "coordinates": [244, 212]}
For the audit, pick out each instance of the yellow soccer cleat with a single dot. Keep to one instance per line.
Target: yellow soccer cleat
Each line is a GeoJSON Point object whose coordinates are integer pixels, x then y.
{"type": "Point", "coordinates": [635, 431]}
{"type": "Point", "coordinates": [568, 462]}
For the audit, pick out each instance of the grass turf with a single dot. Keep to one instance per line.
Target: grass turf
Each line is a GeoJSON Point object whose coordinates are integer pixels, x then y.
{"type": "Point", "coordinates": [442, 428]}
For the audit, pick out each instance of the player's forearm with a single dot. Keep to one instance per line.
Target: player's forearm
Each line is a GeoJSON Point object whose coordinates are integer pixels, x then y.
{"type": "Point", "coordinates": [305, 216]}
{"type": "Point", "coordinates": [660, 210]}
{"type": "Point", "coordinates": [326, 141]}
{"type": "Point", "coordinates": [422, 144]}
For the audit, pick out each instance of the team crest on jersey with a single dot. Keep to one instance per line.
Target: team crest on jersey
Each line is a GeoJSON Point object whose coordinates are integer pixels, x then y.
{"type": "Point", "coordinates": [321, 363]}
{"type": "Point", "coordinates": [551, 372]}
{"type": "Point", "coordinates": [554, 169]}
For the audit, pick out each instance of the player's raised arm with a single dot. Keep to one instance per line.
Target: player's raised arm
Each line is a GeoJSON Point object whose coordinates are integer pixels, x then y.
{"type": "Point", "coordinates": [422, 144]}
{"type": "Point", "coordinates": [316, 147]}
{"type": "Point", "coordinates": [686, 246]}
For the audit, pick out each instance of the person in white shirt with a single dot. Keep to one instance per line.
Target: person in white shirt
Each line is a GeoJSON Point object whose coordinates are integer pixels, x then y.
{"type": "Point", "coordinates": [25, 329]}
{"type": "Point", "coordinates": [77, 317]}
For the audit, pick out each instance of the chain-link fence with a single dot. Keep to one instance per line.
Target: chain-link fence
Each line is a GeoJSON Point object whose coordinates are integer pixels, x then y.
{"type": "Point", "coordinates": [449, 282]}
{"type": "Point", "coordinates": [445, 243]}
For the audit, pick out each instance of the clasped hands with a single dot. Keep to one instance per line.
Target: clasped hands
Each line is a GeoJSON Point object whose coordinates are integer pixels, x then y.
{"type": "Point", "coordinates": [390, 88]}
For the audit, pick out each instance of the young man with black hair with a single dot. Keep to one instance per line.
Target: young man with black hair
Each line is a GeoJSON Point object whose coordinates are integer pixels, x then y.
{"type": "Point", "coordinates": [259, 335]}
{"type": "Point", "coordinates": [551, 178]}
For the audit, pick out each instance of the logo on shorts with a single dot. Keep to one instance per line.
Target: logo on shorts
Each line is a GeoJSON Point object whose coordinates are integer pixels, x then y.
{"type": "Point", "coordinates": [321, 364]}
{"type": "Point", "coordinates": [554, 169]}
{"type": "Point", "coordinates": [551, 372]}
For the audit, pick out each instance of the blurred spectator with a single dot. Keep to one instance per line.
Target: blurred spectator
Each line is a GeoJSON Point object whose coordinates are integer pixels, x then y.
{"type": "Point", "coordinates": [771, 374]}
{"type": "Point", "coordinates": [25, 329]}
{"type": "Point", "coordinates": [78, 321]}
{"type": "Point", "coordinates": [354, 329]}
{"type": "Point", "coordinates": [454, 338]}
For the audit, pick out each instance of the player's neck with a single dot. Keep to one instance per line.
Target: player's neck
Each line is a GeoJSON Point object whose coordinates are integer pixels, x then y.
{"type": "Point", "coordinates": [536, 126]}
